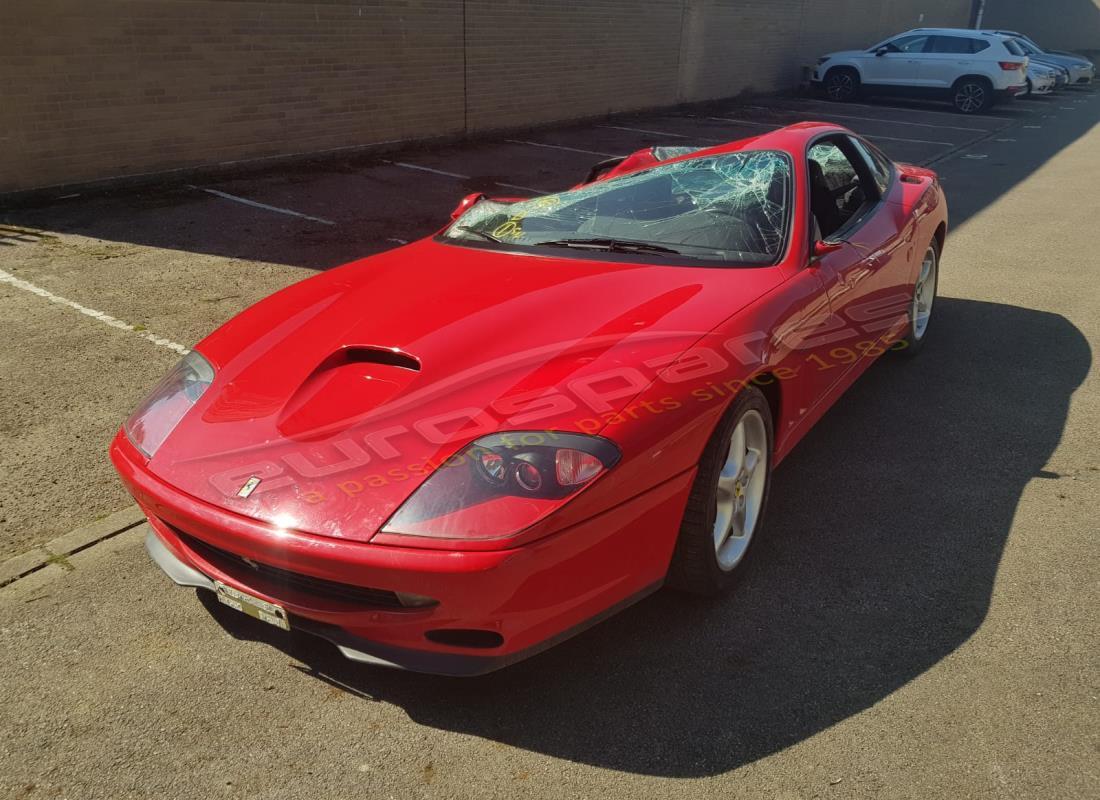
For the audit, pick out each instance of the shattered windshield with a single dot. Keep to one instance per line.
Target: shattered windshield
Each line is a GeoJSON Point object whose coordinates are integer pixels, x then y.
{"type": "Point", "coordinates": [730, 207]}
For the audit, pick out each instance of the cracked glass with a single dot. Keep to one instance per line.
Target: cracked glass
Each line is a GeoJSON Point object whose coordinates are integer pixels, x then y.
{"type": "Point", "coordinates": [731, 207]}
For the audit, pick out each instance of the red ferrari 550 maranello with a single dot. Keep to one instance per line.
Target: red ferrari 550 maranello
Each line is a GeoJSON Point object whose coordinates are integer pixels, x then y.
{"type": "Point", "coordinates": [452, 455]}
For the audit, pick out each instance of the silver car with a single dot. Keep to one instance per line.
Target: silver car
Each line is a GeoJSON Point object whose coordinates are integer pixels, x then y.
{"type": "Point", "coordinates": [1041, 79]}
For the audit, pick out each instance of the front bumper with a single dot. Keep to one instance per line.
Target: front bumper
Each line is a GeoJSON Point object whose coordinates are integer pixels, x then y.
{"type": "Point", "coordinates": [378, 654]}
{"type": "Point", "coordinates": [527, 598]}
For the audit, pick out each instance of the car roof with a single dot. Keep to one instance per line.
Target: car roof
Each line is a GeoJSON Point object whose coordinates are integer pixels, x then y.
{"type": "Point", "coordinates": [792, 139]}
{"type": "Point", "coordinates": [959, 32]}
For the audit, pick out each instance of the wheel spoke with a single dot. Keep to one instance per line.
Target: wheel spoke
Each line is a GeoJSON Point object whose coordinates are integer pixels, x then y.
{"type": "Point", "coordinates": [726, 485]}
{"type": "Point", "coordinates": [752, 460]}
{"type": "Point", "coordinates": [736, 458]}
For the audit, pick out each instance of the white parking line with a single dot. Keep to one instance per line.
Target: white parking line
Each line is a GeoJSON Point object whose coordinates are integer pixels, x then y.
{"type": "Point", "coordinates": [460, 177]}
{"type": "Point", "coordinates": [429, 169]}
{"type": "Point", "coordinates": [915, 109]}
{"type": "Point", "coordinates": [879, 119]}
{"type": "Point", "coordinates": [560, 147]}
{"type": "Point", "coordinates": [107, 319]}
{"type": "Point", "coordinates": [264, 206]}
{"type": "Point", "coordinates": [896, 139]}
{"type": "Point", "coordinates": [773, 126]}
{"type": "Point", "coordinates": [659, 133]}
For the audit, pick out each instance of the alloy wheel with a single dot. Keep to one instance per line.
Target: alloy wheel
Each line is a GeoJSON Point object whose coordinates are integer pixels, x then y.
{"type": "Point", "coordinates": [741, 485]}
{"type": "Point", "coordinates": [970, 97]}
{"type": "Point", "coordinates": [924, 294]}
{"type": "Point", "coordinates": [840, 86]}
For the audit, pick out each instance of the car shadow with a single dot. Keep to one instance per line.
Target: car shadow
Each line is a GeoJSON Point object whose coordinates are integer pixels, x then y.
{"type": "Point", "coordinates": [882, 544]}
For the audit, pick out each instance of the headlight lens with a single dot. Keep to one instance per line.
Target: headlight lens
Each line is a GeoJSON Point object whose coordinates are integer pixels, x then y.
{"type": "Point", "coordinates": [503, 483]}
{"type": "Point", "coordinates": [165, 406]}
{"type": "Point", "coordinates": [821, 60]}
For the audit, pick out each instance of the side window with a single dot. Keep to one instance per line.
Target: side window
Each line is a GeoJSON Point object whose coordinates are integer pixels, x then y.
{"type": "Point", "coordinates": [909, 44]}
{"type": "Point", "coordinates": [951, 44]}
{"type": "Point", "coordinates": [977, 45]}
{"type": "Point", "coordinates": [836, 190]}
{"type": "Point", "coordinates": [880, 168]}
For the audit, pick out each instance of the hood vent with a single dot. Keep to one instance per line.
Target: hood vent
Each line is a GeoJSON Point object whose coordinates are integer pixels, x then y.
{"type": "Point", "coordinates": [370, 354]}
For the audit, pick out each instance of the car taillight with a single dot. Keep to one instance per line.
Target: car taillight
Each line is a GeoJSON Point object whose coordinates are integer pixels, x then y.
{"type": "Point", "coordinates": [1008, 66]}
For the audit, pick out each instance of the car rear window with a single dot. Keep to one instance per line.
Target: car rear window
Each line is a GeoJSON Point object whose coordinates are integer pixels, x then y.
{"type": "Point", "coordinates": [1012, 46]}
{"type": "Point", "coordinates": [731, 207]}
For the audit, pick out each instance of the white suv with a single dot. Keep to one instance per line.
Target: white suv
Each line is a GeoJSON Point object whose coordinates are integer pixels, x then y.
{"type": "Point", "coordinates": [972, 69]}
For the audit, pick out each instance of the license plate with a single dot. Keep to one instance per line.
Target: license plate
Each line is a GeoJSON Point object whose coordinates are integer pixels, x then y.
{"type": "Point", "coordinates": [253, 606]}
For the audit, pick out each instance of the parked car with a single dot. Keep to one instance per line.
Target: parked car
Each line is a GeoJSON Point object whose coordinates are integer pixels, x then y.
{"type": "Point", "coordinates": [452, 455]}
{"type": "Point", "coordinates": [1041, 79]}
{"type": "Point", "coordinates": [1081, 70]}
{"type": "Point", "coordinates": [971, 69]}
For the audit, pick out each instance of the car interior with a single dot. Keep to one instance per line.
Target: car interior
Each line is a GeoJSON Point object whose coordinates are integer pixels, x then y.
{"type": "Point", "coordinates": [839, 191]}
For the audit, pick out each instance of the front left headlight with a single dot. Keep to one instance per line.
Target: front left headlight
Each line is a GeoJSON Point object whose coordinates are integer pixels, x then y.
{"type": "Point", "coordinates": [502, 484]}
{"type": "Point", "coordinates": [161, 411]}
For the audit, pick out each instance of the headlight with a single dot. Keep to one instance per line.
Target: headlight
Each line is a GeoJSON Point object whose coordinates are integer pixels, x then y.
{"type": "Point", "coordinates": [502, 483]}
{"type": "Point", "coordinates": [821, 60]}
{"type": "Point", "coordinates": [165, 406]}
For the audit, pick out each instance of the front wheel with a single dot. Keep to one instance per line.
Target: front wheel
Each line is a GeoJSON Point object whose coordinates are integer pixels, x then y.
{"type": "Point", "coordinates": [726, 507]}
{"type": "Point", "coordinates": [924, 295]}
{"type": "Point", "coordinates": [842, 84]}
{"type": "Point", "coordinates": [972, 95]}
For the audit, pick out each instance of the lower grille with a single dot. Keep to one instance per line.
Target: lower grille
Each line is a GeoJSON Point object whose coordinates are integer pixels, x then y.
{"type": "Point", "coordinates": [234, 564]}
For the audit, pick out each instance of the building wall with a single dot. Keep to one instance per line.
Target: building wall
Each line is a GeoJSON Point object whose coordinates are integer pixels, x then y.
{"type": "Point", "coordinates": [97, 89]}
{"type": "Point", "coordinates": [1058, 24]}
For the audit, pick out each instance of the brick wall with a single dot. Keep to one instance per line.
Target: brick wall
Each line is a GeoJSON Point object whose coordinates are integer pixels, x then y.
{"type": "Point", "coordinates": [96, 89]}
{"type": "Point", "coordinates": [1061, 24]}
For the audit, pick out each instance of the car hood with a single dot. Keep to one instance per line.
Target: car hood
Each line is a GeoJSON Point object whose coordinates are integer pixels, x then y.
{"type": "Point", "coordinates": [342, 392]}
{"type": "Point", "coordinates": [846, 54]}
{"type": "Point", "coordinates": [1065, 61]}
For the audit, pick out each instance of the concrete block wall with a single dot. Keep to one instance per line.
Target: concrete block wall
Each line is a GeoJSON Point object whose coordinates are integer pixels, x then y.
{"type": "Point", "coordinates": [99, 89]}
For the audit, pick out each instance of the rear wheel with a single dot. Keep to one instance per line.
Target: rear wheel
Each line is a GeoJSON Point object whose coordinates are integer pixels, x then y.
{"type": "Point", "coordinates": [972, 95]}
{"type": "Point", "coordinates": [842, 84]}
{"type": "Point", "coordinates": [726, 508]}
{"type": "Point", "coordinates": [924, 295]}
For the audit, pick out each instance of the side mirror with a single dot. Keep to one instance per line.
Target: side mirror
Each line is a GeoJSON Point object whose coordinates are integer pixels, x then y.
{"type": "Point", "coordinates": [466, 203]}
{"type": "Point", "coordinates": [882, 51]}
{"type": "Point", "coordinates": [823, 248]}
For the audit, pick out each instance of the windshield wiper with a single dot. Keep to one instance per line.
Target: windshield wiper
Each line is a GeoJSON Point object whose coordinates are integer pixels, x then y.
{"type": "Point", "coordinates": [611, 245]}
{"type": "Point", "coordinates": [480, 234]}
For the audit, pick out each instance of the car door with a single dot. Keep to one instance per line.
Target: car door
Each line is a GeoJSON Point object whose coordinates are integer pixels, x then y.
{"type": "Point", "coordinates": [859, 276]}
{"type": "Point", "coordinates": [949, 58]}
{"type": "Point", "coordinates": [896, 62]}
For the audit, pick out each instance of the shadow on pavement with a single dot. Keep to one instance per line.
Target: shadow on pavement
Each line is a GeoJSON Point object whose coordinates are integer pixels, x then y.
{"type": "Point", "coordinates": [884, 535]}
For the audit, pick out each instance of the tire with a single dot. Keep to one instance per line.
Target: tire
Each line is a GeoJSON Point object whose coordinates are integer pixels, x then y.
{"type": "Point", "coordinates": [924, 297]}
{"type": "Point", "coordinates": [972, 95]}
{"type": "Point", "coordinates": [842, 84]}
{"type": "Point", "coordinates": [1027, 92]}
{"type": "Point", "coordinates": [699, 565]}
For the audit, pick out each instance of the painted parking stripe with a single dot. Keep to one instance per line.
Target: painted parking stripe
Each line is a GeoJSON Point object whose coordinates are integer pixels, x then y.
{"type": "Point", "coordinates": [429, 169]}
{"type": "Point", "coordinates": [773, 126]}
{"type": "Point", "coordinates": [106, 319]}
{"type": "Point", "coordinates": [916, 109]}
{"type": "Point", "coordinates": [559, 147]}
{"type": "Point", "coordinates": [458, 176]}
{"type": "Point", "coordinates": [880, 119]}
{"type": "Point", "coordinates": [264, 206]}
{"type": "Point", "coordinates": [660, 133]}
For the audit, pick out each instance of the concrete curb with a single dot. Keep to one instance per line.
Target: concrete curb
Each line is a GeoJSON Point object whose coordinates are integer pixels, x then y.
{"type": "Point", "coordinates": [72, 542]}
